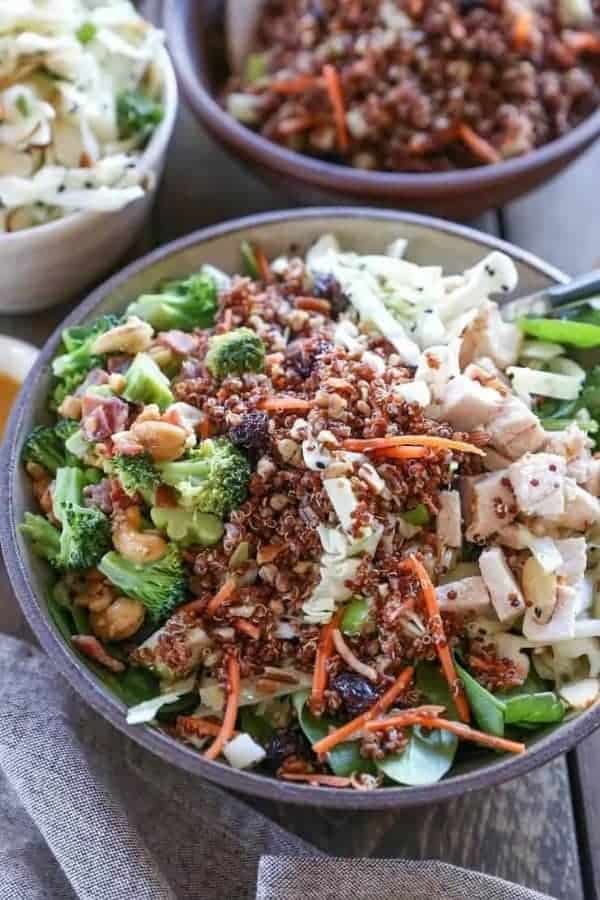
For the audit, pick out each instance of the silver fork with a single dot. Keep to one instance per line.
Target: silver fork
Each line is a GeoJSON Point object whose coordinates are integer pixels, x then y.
{"type": "Point", "coordinates": [554, 301]}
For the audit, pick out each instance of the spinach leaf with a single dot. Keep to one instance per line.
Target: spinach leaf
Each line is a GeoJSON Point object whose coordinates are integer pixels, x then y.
{"type": "Point", "coordinates": [534, 709]}
{"type": "Point", "coordinates": [185, 706]}
{"type": "Point", "coordinates": [427, 758]}
{"type": "Point", "coordinates": [533, 684]}
{"type": "Point", "coordinates": [132, 686]}
{"type": "Point", "coordinates": [487, 709]}
{"type": "Point", "coordinates": [430, 681]}
{"type": "Point", "coordinates": [62, 618]}
{"type": "Point", "coordinates": [81, 619]}
{"type": "Point", "coordinates": [256, 726]}
{"type": "Point", "coordinates": [343, 759]}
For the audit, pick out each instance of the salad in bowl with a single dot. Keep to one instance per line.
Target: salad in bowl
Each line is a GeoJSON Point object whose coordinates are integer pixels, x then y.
{"type": "Point", "coordinates": [81, 93]}
{"type": "Point", "coordinates": [333, 519]}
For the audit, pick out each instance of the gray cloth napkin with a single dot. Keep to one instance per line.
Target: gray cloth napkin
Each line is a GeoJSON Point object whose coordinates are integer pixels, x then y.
{"type": "Point", "coordinates": [86, 813]}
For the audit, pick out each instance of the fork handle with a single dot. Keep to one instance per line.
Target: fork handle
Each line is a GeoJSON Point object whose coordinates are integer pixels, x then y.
{"type": "Point", "coordinates": [582, 287]}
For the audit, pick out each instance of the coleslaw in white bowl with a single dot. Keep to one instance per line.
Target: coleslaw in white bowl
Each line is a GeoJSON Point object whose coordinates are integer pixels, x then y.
{"type": "Point", "coordinates": [88, 100]}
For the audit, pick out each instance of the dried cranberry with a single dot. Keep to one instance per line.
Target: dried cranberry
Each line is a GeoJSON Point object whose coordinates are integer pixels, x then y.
{"type": "Point", "coordinates": [252, 434]}
{"type": "Point", "coordinates": [302, 355]}
{"type": "Point", "coordinates": [285, 743]}
{"type": "Point", "coordinates": [328, 287]}
{"type": "Point", "coordinates": [356, 693]}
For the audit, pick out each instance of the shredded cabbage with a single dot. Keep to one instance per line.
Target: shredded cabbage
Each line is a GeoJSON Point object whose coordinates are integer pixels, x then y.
{"type": "Point", "coordinates": [82, 94]}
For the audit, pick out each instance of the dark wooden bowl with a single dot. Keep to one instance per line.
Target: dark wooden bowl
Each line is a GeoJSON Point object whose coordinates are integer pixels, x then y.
{"type": "Point", "coordinates": [195, 34]}
{"type": "Point", "coordinates": [430, 241]}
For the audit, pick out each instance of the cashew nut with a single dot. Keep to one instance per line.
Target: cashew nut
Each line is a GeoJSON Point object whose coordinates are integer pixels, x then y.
{"type": "Point", "coordinates": [118, 621]}
{"type": "Point", "coordinates": [97, 595]}
{"type": "Point", "coordinates": [162, 440]}
{"type": "Point", "coordinates": [134, 336]}
{"type": "Point", "coordinates": [70, 408]}
{"type": "Point", "coordinates": [162, 356]}
{"type": "Point", "coordinates": [135, 545]}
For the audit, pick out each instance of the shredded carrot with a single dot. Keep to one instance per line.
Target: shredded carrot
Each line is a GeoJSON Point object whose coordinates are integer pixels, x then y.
{"type": "Point", "coordinates": [385, 701]}
{"type": "Point", "coordinates": [296, 85]}
{"type": "Point", "coordinates": [225, 592]}
{"type": "Point", "coordinates": [336, 98]}
{"type": "Point", "coordinates": [231, 710]}
{"type": "Point", "coordinates": [409, 440]}
{"type": "Point", "coordinates": [405, 718]}
{"type": "Point", "coordinates": [402, 453]}
{"type": "Point", "coordinates": [262, 262]}
{"type": "Point", "coordinates": [313, 304]}
{"type": "Point", "coordinates": [443, 650]}
{"type": "Point", "coordinates": [478, 146]}
{"type": "Point", "coordinates": [583, 42]}
{"type": "Point", "coordinates": [268, 552]}
{"type": "Point", "coordinates": [324, 651]}
{"type": "Point", "coordinates": [282, 404]}
{"type": "Point", "coordinates": [228, 319]}
{"type": "Point", "coordinates": [522, 32]}
{"type": "Point", "coordinates": [200, 727]}
{"type": "Point", "coordinates": [249, 628]}
{"type": "Point", "coordinates": [198, 605]}
{"type": "Point", "coordinates": [471, 734]}
{"type": "Point", "coordinates": [335, 781]}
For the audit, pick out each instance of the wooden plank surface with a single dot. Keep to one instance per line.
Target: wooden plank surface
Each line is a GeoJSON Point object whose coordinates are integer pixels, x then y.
{"type": "Point", "coordinates": [523, 831]}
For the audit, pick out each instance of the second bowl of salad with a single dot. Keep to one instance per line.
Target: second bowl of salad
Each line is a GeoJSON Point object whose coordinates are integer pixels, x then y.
{"type": "Point", "coordinates": [309, 519]}
{"type": "Point", "coordinates": [89, 100]}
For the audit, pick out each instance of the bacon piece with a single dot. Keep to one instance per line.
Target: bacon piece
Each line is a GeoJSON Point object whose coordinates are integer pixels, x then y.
{"type": "Point", "coordinates": [90, 646]}
{"type": "Point", "coordinates": [101, 417]}
{"type": "Point", "coordinates": [93, 377]}
{"type": "Point", "coordinates": [179, 342]}
{"type": "Point", "coordinates": [118, 364]}
{"type": "Point", "coordinates": [99, 495]}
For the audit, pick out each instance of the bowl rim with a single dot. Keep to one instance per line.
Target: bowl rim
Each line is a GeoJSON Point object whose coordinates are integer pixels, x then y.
{"type": "Point", "coordinates": [378, 184]}
{"type": "Point", "coordinates": [87, 686]}
{"type": "Point", "coordinates": [145, 164]}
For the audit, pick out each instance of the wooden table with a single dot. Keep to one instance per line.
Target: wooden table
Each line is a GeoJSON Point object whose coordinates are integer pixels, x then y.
{"type": "Point", "coordinates": [543, 830]}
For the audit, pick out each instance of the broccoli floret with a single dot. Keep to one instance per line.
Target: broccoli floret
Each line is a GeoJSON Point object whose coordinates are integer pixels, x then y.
{"type": "Point", "coordinates": [85, 531]}
{"type": "Point", "coordinates": [137, 474]}
{"type": "Point", "coordinates": [184, 305]}
{"type": "Point", "coordinates": [77, 359]}
{"type": "Point", "coordinates": [137, 115]}
{"type": "Point", "coordinates": [235, 352]}
{"type": "Point", "coordinates": [145, 383]}
{"type": "Point", "coordinates": [160, 585]}
{"type": "Point", "coordinates": [188, 526]}
{"type": "Point", "coordinates": [46, 445]}
{"type": "Point", "coordinates": [213, 478]}
{"type": "Point", "coordinates": [44, 538]}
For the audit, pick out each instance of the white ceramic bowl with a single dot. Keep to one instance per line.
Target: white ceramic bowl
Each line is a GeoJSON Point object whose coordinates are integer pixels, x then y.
{"type": "Point", "coordinates": [55, 262]}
